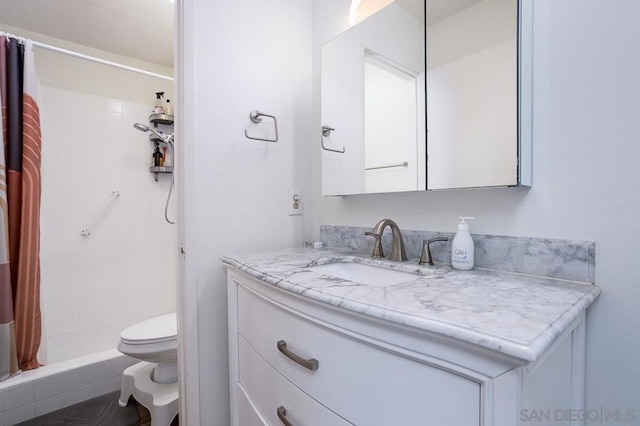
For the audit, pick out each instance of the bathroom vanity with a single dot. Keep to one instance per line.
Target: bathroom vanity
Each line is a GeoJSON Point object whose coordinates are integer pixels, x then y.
{"type": "Point", "coordinates": [331, 337]}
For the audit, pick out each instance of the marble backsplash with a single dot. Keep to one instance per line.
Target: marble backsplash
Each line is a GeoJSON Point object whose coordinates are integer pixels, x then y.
{"type": "Point", "coordinates": [563, 259]}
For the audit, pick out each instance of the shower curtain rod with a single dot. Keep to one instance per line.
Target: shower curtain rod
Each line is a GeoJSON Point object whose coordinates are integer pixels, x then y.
{"type": "Point", "coordinates": [89, 58]}
{"type": "Point", "coordinates": [98, 60]}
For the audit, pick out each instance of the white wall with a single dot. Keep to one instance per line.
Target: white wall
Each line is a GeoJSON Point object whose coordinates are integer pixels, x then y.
{"type": "Point", "coordinates": [472, 97]}
{"type": "Point", "coordinates": [239, 56]}
{"type": "Point", "coordinates": [586, 156]}
{"type": "Point", "coordinates": [482, 25]}
{"type": "Point", "coordinates": [473, 120]}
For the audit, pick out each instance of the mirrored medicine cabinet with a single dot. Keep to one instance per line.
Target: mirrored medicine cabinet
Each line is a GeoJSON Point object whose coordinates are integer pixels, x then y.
{"type": "Point", "coordinates": [428, 95]}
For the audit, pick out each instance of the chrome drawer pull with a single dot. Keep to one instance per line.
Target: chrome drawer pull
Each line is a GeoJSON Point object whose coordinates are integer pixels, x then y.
{"type": "Point", "coordinates": [311, 364]}
{"type": "Point", "coordinates": [282, 415]}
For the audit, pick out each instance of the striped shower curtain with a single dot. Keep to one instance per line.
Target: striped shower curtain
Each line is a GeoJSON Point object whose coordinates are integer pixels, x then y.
{"type": "Point", "coordinates": [20, 209]}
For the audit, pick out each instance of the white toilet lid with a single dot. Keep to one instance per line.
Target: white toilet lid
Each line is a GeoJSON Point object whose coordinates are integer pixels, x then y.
{"type": "Point", "coordinates": [159, 329]}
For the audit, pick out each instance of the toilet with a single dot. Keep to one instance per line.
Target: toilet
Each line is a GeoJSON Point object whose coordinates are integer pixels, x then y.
{"type": "Point", "coordinates": [153, 382]}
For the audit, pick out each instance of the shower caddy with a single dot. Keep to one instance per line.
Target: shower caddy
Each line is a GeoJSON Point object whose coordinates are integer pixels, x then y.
{"type": "Point", "coordinates": [163, 120]}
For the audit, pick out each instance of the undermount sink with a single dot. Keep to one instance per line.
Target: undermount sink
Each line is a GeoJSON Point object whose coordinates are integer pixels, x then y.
{"type": "Point", "coordinates": [364, 274]}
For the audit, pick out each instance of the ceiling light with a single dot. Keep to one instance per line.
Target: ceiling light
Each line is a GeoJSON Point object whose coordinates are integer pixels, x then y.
{"type": "Point", "coordinates": [362, 9]}
{"type": "Point", "coordinates": [353, 11]}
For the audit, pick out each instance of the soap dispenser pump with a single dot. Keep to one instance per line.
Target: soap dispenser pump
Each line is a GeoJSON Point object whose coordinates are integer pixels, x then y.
{"type": "Point", "coordinates": [462, 248]}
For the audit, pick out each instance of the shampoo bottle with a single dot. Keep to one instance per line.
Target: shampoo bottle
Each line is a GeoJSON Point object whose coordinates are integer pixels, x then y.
{"type": "Point", "coordinates": [157, 156]}
{"type": "Point", "coordinates": [462, 247]}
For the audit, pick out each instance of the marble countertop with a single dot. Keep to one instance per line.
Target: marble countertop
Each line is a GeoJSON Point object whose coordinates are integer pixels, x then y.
{"type": "Point", "coordinates": [515, 314]}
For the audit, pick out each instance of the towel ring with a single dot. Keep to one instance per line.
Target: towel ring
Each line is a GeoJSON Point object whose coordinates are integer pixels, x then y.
{"type": "Point", "coordinates": [326, 131]}
{"type": "Point", "coordinates": [256, 117]}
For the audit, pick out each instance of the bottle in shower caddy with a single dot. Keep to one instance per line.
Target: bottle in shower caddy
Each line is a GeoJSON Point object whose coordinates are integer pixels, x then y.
{"type": "Point", "coordinates": [168, 107]}
{"type": "Point", "coordinates": [165, 158]}
{"type": "Point", "coordinates": [158, 108]}
{"type": "Point", "coordinates": [157, 156]}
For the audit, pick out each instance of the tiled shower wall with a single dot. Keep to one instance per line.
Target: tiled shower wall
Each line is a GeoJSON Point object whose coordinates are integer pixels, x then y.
{"type": "Point", "coordinates": [94, 286]}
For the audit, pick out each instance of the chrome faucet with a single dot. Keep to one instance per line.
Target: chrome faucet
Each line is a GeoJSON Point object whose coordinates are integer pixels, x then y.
{"type": "Point", "coordinates": [398, 253]}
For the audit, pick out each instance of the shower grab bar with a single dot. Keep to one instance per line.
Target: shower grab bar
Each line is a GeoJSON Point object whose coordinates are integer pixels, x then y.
{"type": "Point", "coordinates": [326, 131]}
{"type": "Point", "coordinates": [256, 117]}
{"type": "Point", "coordinates": [404, 164]}
{"type": "Point", "coordinates": [89, 229]}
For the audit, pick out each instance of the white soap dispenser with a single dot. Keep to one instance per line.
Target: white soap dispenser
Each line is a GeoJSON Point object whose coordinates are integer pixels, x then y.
{"type": "Point", "coordinates": [462, 247]}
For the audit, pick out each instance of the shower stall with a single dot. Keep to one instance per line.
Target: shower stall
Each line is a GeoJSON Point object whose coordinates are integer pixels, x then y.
{"type": "Point", "coordinates": [94, 284]}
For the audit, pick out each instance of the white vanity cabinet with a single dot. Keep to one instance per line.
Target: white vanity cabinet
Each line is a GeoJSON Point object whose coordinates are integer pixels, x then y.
{"type": "Point", "coordinates": [296, 361]}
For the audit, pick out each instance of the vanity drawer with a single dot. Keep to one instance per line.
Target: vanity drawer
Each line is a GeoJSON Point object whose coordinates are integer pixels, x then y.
{"type": "Point", "coordinates": [364, 384]}
{"type": "Point", "coordinates": [275, 396]}
{"type": "Point", "coordinates": [246, 412]}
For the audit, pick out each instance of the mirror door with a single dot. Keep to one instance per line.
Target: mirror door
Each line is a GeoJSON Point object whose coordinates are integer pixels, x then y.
{"type": "Point", "coordinates": [428, 95]}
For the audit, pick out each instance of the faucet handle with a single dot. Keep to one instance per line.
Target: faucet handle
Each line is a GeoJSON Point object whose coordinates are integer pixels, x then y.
{"type": "Point", "coordinates": [425, 257]}
{"type": "Point", "coordinates": [377, 247]}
